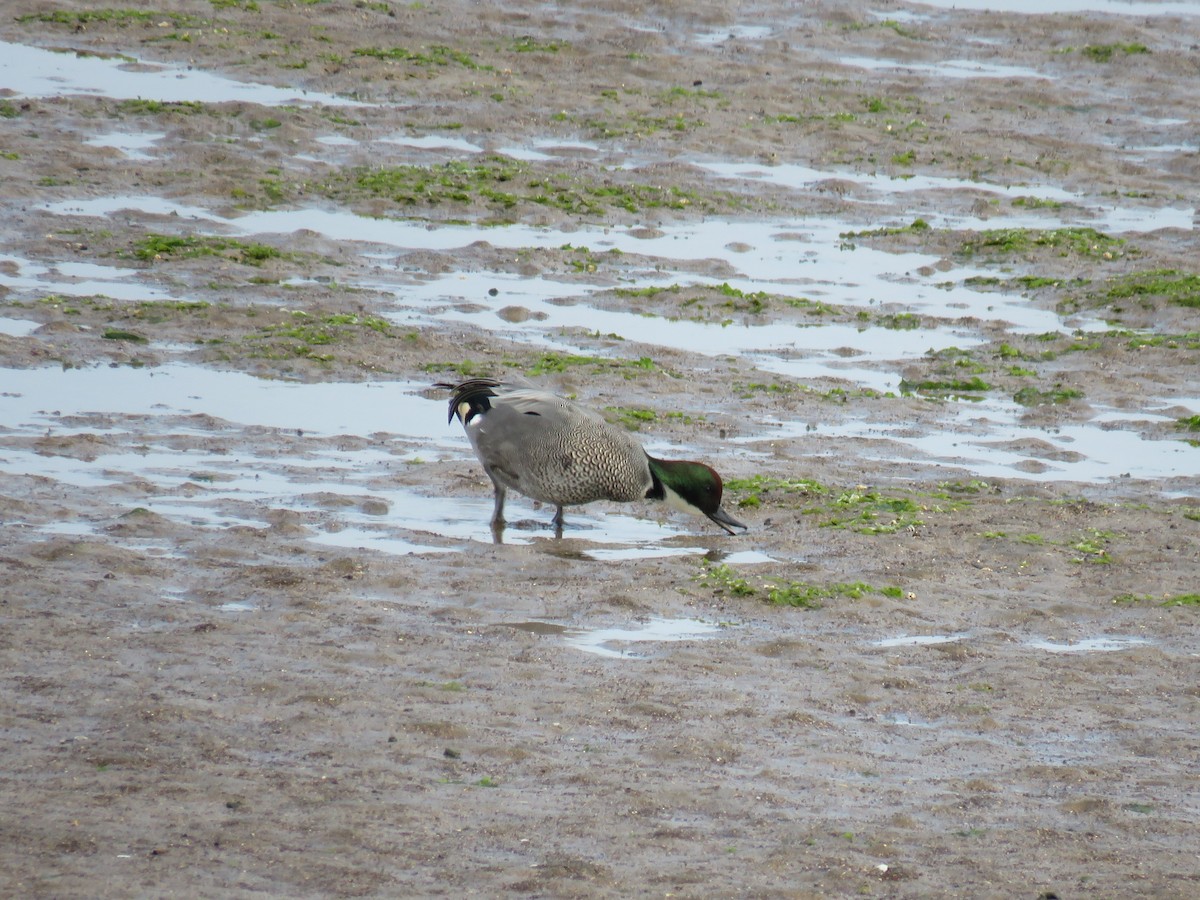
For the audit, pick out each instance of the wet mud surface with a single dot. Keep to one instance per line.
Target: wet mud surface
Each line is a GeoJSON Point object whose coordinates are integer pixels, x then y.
{"type": "Point", "coordinates": [920, 282]}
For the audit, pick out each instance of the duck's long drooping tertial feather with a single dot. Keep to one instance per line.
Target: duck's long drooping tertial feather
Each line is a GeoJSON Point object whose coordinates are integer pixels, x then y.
{"type": "Point", "coordinates": [553, 450]}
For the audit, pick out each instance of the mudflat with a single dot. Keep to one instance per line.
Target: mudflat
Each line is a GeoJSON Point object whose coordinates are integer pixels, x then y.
{"type": "Point", "coordinates": [919, 282]}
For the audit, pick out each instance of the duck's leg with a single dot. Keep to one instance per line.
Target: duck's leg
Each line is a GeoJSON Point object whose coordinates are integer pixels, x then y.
{"type": "Point", "coordinates": [498, 511]}
{"type": "Point", "coordinates": [558, 520]}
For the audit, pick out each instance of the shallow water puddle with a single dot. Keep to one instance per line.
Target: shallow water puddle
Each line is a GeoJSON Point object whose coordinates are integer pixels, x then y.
{"type": "Point", "coordinates": [988, 439]}
{"type": "Point", "coordinates": [541, 150]}
{"type": "Point", "coordinates": [779, 253]}
{"type": "Point", "coordinates": [238, 606]}
{"type": "Point", "coordinates": [624, 554]}
{"type": "Point", "coordinates": [215, 406]}
{"type": "Point", "coordinates": [777, 258]}
{"type": "Point", "coordinates": [804, 258]}
{"type": "Point", "coordinates": [67, 528]}
{"type": "Point", "coordinates": [544, 322]}
{"type": "Point", "coordinates": [134, 146]}
{"type": "Point", "coordinates": [18, 327]}
{"type": "Point", "coordinates": [979, 438]}
{"type": "Point", "coordinates": [744, 558]}
{"type": "Point", "coordinates": [1100, 213]}
{"type": "Point", "coordinates": [782, 261]}
{"type": "Point", "coordinates": [543, 629]}
{"type": "Point", "coordinates": [917, 640]}
{"type": "Point", "coordinates": [610, 641]}
{"type": "Point", "coordinates": [798, 176]}
{"type": "Point", "coordinates": [37, 397]}
{"type": "Point", "coordinates": [1046, 7]}
{"type": "Point", "coordinates": [75, 280]}
{"type": "Point", "coordinates": [34, 72]}
{"type": "Point", "coordinates": [804, 369]}
{"type": "Point", "coordinates": [734, 32]}
{"type": "Point", "coordinates": [1164, 148]}
{"type": "Point", "coordinates": [432, 142]}
{"type": "Point", "coordinates": [949, 68]}
{"type": "Point", "coordinates": [366, 539]}
{"type": "Point", "coordinates": [1088, 645]}
{"type": "Point", "coordinates": [545, 149]}
{"type": "Point", "coordinates": [355, 506]}
{"type": "Point", "coordinates": [337, 140]}
{"type": "Point", "coordinates": [623, 535]}
{"type": "Point", "coordinates": [225, 490]}
{"type": "Point", "coordinates": [899, 718]}
{"type": "Point", "coordinates": [228, 485]}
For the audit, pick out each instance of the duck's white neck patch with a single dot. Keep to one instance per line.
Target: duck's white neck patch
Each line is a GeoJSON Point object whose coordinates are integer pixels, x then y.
{"type": "Point", "coordinates": [675, 501]}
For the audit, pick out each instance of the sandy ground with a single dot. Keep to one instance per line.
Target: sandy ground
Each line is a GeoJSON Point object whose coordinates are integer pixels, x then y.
{"type": "Point", "coordinates": [986, 688]}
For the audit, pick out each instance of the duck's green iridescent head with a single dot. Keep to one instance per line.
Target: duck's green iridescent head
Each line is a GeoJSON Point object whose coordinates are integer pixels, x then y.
{"type": "Point", "coordinates": [692, 487]}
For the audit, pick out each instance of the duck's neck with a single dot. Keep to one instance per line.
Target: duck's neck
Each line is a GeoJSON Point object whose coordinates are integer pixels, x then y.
{"type": "Point", "coordinates": [678, 482]}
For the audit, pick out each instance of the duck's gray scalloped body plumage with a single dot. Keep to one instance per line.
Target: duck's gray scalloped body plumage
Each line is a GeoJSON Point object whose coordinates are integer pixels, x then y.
{"type": "Point", "coordinates": [548, 448]}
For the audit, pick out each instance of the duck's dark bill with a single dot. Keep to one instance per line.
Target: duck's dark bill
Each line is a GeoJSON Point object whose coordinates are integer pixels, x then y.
{"type": "Point", "coordinates": [726, 521]}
